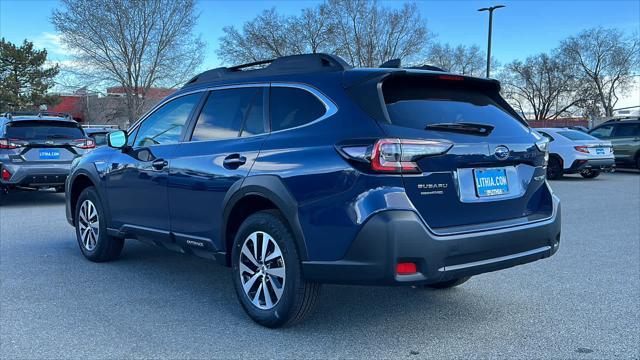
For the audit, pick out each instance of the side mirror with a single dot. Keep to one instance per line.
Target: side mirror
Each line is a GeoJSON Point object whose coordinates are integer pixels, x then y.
{"type": "Point", "coordinates": [117, 139]}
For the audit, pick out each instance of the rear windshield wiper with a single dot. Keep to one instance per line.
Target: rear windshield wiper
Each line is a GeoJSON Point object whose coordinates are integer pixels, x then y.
{"type": "Point", "coordinates": [462, 127]}
{"type": "Point", "coordinates": [57, 136]}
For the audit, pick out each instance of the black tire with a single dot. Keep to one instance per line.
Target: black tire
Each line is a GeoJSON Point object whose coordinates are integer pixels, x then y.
{"type": "Point", "coordinates": [554, 168]}
{"type": "Point", "coordinates": [590, 174]}
{"type": "Point", "coordinates": [105, 247]}
{"type": "Point", "coordinates": [448, 284]}
{"type": "Point", "coordinates": [298, 297]}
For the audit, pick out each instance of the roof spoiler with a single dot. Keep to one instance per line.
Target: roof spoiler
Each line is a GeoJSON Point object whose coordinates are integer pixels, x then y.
{"type": "Point", "coordinates": [397, 64]}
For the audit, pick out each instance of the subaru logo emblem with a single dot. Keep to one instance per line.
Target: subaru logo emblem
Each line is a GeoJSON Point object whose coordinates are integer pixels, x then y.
{"type": "Point", "coordinates": [502, 152]}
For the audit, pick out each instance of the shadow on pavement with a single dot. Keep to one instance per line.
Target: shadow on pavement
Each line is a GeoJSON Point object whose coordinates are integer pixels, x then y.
{"type": "Point", "coordinates": [31, 198]}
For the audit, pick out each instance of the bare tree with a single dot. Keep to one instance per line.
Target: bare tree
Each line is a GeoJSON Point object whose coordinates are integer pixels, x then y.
{"type": "Point", "coordinates": [137, 44]}
{"type": "Point", "coordinates": [361, 31]}
{"type": "Point", "coordinates": [544, 85]}
{"type": "Point", "coordinates": [606, 59]}
{"type": "Point", "coordinates": [465, 60]}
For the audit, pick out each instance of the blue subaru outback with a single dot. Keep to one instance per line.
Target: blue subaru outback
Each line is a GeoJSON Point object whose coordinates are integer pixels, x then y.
{"type": "Point", "coordinates": [307, 171]}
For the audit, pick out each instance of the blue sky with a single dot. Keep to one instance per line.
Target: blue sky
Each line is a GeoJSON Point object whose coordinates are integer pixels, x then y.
{"type": "Point", "coordinates": [522, 28]}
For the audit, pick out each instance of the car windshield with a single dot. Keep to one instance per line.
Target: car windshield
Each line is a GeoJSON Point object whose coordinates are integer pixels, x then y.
{"type": "Point", "coordinates": [43, 130]}
{"type": "Point", "coordinates": [576, 135]}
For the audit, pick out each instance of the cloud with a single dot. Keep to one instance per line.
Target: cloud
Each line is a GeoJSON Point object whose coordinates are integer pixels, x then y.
{"type": "Point", "coordinates": [53, 43]}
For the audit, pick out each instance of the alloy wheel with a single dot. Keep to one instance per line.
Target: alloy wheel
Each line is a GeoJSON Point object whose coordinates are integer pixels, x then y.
{"type": "Point", "coordinates": [262, 270]}
{"type": "Point", "coordinates": [89, 225]}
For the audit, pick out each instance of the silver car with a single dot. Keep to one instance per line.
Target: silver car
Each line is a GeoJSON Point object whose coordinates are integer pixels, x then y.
{"type": "Point", "coordinates": [36, 150]}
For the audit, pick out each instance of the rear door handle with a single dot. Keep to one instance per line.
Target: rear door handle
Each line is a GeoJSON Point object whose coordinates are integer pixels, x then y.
{"type": "Point", "coordinates": [234, 161]}
{"type": "Point", "coordinates": [159, 164]}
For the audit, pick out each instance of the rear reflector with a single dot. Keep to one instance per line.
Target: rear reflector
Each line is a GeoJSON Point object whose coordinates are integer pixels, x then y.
{"type": "Point", "coordinates": [406, 268]}
{"type": "Point", "coordinates": [6, 175]}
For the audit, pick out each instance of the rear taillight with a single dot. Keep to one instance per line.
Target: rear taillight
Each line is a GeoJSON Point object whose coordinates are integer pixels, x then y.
{"type": "Point", "coordinates": [6, 175]}
{"type": "Point", "coordinates": [84, 143]}
{"type": "Point", "coordinates": [7, 144]}
{"type": "Point", "coordinates": [582, 149]}
{"type": "Point", "coordinates": [400, 155]}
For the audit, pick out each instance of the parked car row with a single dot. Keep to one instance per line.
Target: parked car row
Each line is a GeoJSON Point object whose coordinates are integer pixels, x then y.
{"type": "Point", "coordinates": [590, 152]}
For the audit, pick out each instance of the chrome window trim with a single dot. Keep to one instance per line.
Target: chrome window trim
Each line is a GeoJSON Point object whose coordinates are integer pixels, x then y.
{"type": "Point", "coordinates": [330, 107]}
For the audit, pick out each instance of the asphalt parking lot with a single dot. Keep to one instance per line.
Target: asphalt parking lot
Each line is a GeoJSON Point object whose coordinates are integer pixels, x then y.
{"type": "Point", "coordinates": [581, 303]}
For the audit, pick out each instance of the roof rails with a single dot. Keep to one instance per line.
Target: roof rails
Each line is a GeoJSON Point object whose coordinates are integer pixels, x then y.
{"type": "Point", "coordinates": [396, 64]}
{"type": "Point", "coordinates": [292, 64]}
{"type": "Point", "coordinates": [11, 114]}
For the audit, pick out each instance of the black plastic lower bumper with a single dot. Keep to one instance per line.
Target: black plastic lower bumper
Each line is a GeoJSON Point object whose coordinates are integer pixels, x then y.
{"type": "Point", "coordinates": [596, 165]}
{"type": "Point", "coordinates": [397, 236]}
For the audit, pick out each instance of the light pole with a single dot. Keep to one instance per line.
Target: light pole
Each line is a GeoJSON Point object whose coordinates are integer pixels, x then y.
{"type": "Point", "coordinates": [490, 10]}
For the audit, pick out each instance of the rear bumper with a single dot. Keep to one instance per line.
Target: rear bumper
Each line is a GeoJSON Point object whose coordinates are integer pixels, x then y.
{"type": "Point", "coordinates": [396, 236]}
{"type": "Point", "coordinates": [40, 175]}
{"type": "Point", "coordinates": [592, 164]}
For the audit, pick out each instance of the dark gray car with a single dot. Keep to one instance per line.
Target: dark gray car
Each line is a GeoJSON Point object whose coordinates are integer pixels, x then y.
{"type": "Point", "coordinates": [36, 150]}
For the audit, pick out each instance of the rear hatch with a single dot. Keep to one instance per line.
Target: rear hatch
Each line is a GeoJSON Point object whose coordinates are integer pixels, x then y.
{"type": "Point", "coordinates": [45, 141]}
{"type": "Point", "coordinates": [493, 171]}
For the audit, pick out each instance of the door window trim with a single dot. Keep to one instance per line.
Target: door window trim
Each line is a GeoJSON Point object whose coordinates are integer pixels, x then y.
{"type": "Point", "coordinates": [330, 108]}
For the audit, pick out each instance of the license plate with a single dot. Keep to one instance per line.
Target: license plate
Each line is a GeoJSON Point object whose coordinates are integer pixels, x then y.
{"type": "Point", "coordinates": [491, 182]}
{"type": "Point", "coordinates": [599, 151]}
{"type": "Point", "coordinates": [49, 154]}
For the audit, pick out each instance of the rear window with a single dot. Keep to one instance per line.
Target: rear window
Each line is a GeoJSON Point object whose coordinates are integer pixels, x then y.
{"type": "Point", "coordinates": [30, 130]}
{"type": "Point", "coordinates": [416, 105]}
{"type": "Point", "coordinates": [230, 113]}
{"type": "Point", "coordinates": [576, 135]}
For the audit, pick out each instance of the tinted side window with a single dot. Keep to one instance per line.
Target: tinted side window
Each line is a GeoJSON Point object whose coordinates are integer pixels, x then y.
{"type": "Point", "coordinates": [165, 125]}
{"type": "Point", "coordinates": [628, 130]}
{"type": "Point", "coordinates": [226, 112]}
{"type": "Point", "coordinates": [603, 132]}
{"type": "Point", "coordinates": [291, 107]}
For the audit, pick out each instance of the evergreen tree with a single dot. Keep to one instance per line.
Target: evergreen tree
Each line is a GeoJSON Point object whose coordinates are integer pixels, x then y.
{"type": "Point", "coordinates": [24, 78]}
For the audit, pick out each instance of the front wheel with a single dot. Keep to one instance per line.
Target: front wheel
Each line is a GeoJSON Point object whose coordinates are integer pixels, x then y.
{"type": "Point", "coordinates": [267, 272]}
{"type": "Point", "coordinates": [590, 174]}
{"type": "Point", "coordinates": [91, 230]}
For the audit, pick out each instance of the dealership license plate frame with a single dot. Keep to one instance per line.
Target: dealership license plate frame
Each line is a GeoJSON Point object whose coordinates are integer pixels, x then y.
{"type": "Point", "coordinates": [49, 154]}
{"type": "Point", "coordinates": [494, 189]}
